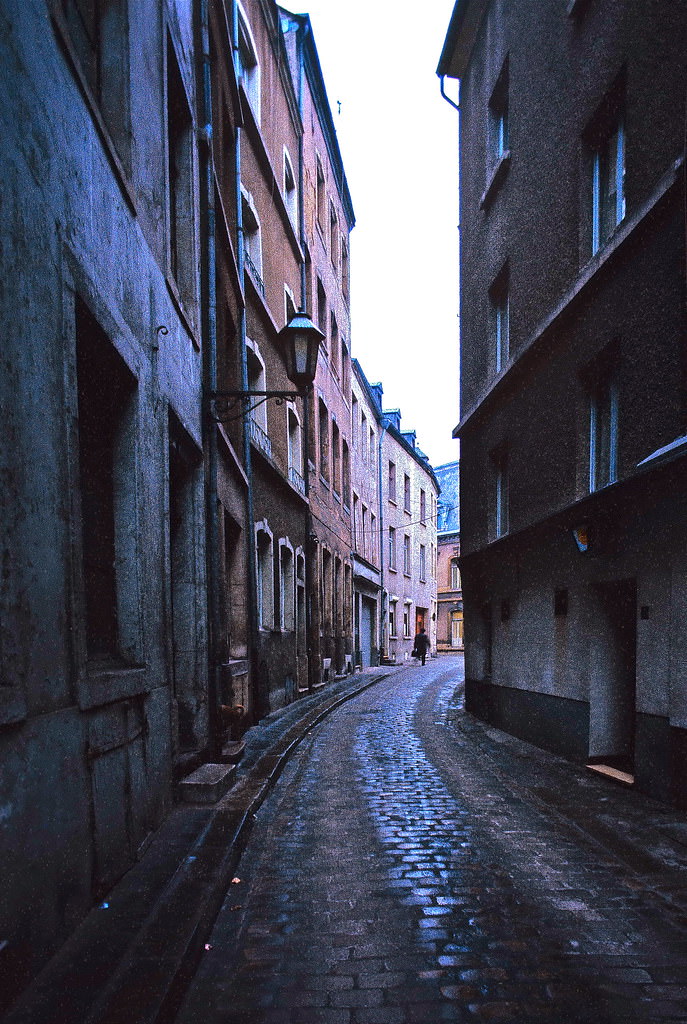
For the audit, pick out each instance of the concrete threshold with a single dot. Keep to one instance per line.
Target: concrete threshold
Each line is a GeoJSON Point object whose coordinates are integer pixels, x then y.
{"type": "Point", "coordinates": [624, 778]}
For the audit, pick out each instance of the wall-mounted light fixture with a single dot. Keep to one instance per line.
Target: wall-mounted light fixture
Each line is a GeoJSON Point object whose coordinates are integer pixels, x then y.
{"type": "Point", "coordinates": [300, 344]}
{"type": "Point", "coordinates": [582, 537]}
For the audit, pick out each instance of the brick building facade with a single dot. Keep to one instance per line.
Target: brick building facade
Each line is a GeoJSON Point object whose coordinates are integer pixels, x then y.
{"type": "Point", "coordinates": [450, 635]}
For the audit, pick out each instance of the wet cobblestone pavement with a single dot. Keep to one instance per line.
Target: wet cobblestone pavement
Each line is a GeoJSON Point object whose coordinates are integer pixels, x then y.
{"type": "Point", "coordinates": [398, 875]}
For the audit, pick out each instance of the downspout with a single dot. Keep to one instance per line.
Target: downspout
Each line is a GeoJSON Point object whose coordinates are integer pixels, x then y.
{"type": "Point", "coordinates": [456, 106]}
{"type": "Point", "coordinates": [208, 282]}
{"type": "Point", "coordinates": [257, 709]}
{"type": "Point", "coordinates": [383, 617]}
{"type": "Point", "coordinates": [309, 544]}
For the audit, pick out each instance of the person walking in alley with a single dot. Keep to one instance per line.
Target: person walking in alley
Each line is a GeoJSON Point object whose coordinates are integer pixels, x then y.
{"type": "Point", "coordinates": [421, 645]}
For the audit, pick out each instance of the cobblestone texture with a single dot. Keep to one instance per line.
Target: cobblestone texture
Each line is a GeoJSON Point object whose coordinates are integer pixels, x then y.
{"type": "Point", "coordinates": [400, 873]}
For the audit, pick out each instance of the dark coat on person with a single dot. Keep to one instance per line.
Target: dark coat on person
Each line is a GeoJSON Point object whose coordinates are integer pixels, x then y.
{"type": "Point", "coordinates": [421, 643]}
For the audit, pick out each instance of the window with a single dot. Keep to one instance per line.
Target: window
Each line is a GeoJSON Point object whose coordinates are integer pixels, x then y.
{"type": "Point", "coordinates": [337, 603]}
{"type": "Point", "coordinates": [345, 271]}
{"type": "Point", "coordinates": [345, 369]}
{"type": "Point", "coordinates": [455, 575]}
{"type": "Point", "coordinates": [364, 545]}
{"type": "Point", "coordinates": [300, 599]}
{"type": "Point", "coordinates": [373, 460]}
{"type": "Point", "coordinates": [373, 538]}
{"type": "Point", "coordinates": [290, 193]}
{"type": "Point", "coordinates": [363, 436]}
{"type": "Point", "coordinates": [334, 351]}
{"type": "Point", "coordinates": [346, 473]}
{"type": "Point", "coordinates": [406, 554]}
{"type": "Point", "coordinates": [295, 448]}
{"type": "Point", "coordinates": [336, 459]}
{"type": "Point", "coordinates": [324, 441]}
{"type": "Point", "coordinates": [287, 587]}
{"type": "Point", "coordinates": [289, 304]}
{"type": "Point", "coordinates": [406, 620]}
{"type": "Point", "coordinates": [355, 523]}
{"type": "Point", "coordinates": [333, 236]}
{"type": "Point", "coordinates": [603, 434]}
{"type": "Point", "coordinates": [423, 563]}
{"type": "Point", "coordinates": [265, 577]}
{"type": "Point", "coordinates": [392, 482]}
{"type": "Point", "coordinates": [354, 421]}
{"type": "Point", "coordinates": [252, 239]}
{"type": "Point", "coordinates": [392, 619]}
{"type": "Point", "coordinates": [320, 195]}
{"type": "Point", "coordinates": [97, 37]}
{"type": "Point", "coordinates": [608, 186]}
{"type": "Point", "coordinates": [322, 310]}
{"type": "Point", "coordinates": [498, 119]}
{"type": "Point", "coordinates": [501, 504]}
{"type": "Point", "coordinates": [500, 319]}
{"type": "Point", "coordinates": [326, 591]}
{"type": "Point", "coordinates": [248, 66]}
{"type": "Point", "coordinates": [257, 381]}
{"type": "Point", "coordinates": [392, 548]}
{"type": "Point", "coordinates": [180, 173]}
{"type": "Point", "coordinates": [423, 507]}
{"type": "Point", "coordinates": [406, 492]}
{"type": "Point", "coordinates": [106, 424]}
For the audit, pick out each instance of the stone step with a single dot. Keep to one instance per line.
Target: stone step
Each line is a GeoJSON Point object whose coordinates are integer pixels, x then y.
{"type": "Point", "coordinates": [232, 752]}
{"type": "Point", "coordinates": [207, 784]}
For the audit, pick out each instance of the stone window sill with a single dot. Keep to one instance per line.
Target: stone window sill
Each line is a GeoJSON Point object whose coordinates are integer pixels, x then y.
{"type": "Point", "coordinates": [497, 179]}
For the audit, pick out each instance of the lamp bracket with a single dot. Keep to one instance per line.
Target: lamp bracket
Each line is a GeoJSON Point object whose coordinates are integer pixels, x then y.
{"type": "Point", "coordinates": [223, 403]}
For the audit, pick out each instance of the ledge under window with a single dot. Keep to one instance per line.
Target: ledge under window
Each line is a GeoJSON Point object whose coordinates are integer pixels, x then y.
{"type": "Point", "coordinates": [498, 176]}
{"type": "Point", "coordinates": [102, 684]}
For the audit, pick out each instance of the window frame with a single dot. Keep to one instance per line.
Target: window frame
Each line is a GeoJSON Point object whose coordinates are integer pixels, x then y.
{"type": "Point", "coordinates": [499, 298]}
{"type": "Point", "coordinates": [248, 72]}
{"type": "Point", "coordinates": [615, 200]}
{"type": "Point", "coordinates": [391, 549]}
{"type": "Point", "coordinates": [407, 557]}
{"type": "Point", "coordinates": [603, 397]}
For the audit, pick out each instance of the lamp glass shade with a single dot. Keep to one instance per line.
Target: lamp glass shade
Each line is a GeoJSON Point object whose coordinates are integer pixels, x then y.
{"type": "Point", "coordinates": [301, 344]}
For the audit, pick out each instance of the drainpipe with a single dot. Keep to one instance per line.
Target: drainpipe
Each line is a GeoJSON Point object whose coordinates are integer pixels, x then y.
{"type": "Point", "coordinates": [383, 617]}
{"type": "Point", "coordinates": [309, 544]}
{"type": "Point", "coordinates": [456, 106]}
{"type": "Point", "coordinates": [247, 457]}
{"type": "Point", "coordinates": [208, 279]}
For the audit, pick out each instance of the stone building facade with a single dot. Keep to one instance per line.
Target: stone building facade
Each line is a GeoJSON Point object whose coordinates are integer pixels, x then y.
{"type": "Point", "coordinates": [574, 421]}
{"type": "Point", "coordinates": [367, 516]}
{"type": "Point", "coordinates": [450, 633]}
{"type": "Point", "coordinates": [161, 583]}
{"type": "Point", "coordinates": [409, 506]}
{"type": "Point", "coordinates": [395, 542]}
{"type": "Point", "coordinates": [103, 608]}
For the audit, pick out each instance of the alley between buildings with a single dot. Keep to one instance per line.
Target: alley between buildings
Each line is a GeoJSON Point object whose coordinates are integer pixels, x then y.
{"type": "Point", "coordinates": [413, 865]}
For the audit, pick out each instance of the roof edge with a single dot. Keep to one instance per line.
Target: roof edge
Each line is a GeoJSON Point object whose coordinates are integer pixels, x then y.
{"type": "Point", "coordinates": [460, 37]}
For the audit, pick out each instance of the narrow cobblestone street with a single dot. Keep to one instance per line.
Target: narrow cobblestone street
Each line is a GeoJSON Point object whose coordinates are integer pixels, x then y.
{"type": "Point", "coordinates": [402, 872]}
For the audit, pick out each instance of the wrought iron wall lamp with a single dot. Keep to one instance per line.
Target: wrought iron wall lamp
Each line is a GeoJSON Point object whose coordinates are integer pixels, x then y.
{"type": "Point", "coordinates": [300, 343]}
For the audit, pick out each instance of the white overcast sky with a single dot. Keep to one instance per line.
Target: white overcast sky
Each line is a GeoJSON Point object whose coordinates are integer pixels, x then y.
{"type": "Point", "coordinates": [399, 142]}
